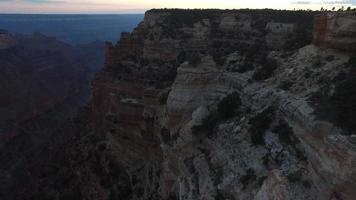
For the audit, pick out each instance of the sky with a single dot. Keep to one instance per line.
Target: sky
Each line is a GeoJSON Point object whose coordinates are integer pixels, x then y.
{"type": "Point", "coordinates": [140, 6]}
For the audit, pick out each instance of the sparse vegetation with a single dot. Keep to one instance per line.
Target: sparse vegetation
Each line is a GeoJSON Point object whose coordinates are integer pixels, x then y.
{"type": "Point", "coordinates": [285, 133]}
{"type": "Point", "coordinates": [285, 85]}
{"type": "Point", "coordinates": [330, 58]}
{"type": "Point", "coordinates": [219, 59]}
{"type": "Point", "coordinates": [307, 183]}
{"type": "Point", "coordinates": [266, 70]}
{"type": "Point", "coordinates": [221, 195]}
{"type": "Point", "coordinates": [339, 108]}
{"type": "Point", "coordinates": [318, 63]}
{"type": "Point", "coordinates": [295, 176]}
{"type": "Point", "coordinates": [259, 124]}
{"type": "Point", "coordinates": [194, 59]}
{"type": "Point", "coordinates": [248, 177]}
{"type": "Point", "coordinates": [227, 108]}
{"type": "Point", "coordinates": [207, 126]}
{"type": "Point", "coordinates": [166, 136]}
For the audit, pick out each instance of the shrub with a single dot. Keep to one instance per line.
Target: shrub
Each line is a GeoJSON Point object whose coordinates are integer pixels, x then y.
{"type": "Point", "coordinates": [307, 183]}
{"type": "Point", "coordinates": [295, 176]}
{"type": "Point", "coordinates": [266, 71]}
{"type": "Point", "coordinates": [208, 124]}
{"type": "Point", "coordinates": [285, 85]}
{"type": "Point", "coordinates": [227, 108]}
{"type": "Point", "coordinates": [219, 59]}
{"type": "Point", "coordinates": [285, 133]}
{"type": "Point", "coordinates": [173, 196]}
{"type": "Point", "coordinates": [248, 177]}
{"type": "Point", "coordinates": [318, 63]}
{"type": "Point", "coordinates": [330, 58]}
{"type": "Point", "coordinates": [166, 136]}
{"type": "Point", "coordinates": [228, 105]}
{"type": "Point", "coordinates": [194, 59]}
{"type": "Point", "coordinates": [259, 124]}
{"type": "Point", "coordinates": [220, 195]}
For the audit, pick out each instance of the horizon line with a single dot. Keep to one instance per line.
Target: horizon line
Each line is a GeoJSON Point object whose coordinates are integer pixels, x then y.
{"type": "Point", "coordinates": [139, 11]}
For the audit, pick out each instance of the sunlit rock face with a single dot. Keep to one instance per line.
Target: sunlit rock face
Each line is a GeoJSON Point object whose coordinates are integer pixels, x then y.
{"type": "Point", "coordinates": [336, 30]}
{"type": "Point", "coordinates": [219, 104]}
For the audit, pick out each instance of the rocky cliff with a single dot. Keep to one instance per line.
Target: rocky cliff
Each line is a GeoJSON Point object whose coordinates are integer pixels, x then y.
{"type": "Point", "coordinates": [336, 30]}
{"type": "Point", "coordinates": [215, 104]}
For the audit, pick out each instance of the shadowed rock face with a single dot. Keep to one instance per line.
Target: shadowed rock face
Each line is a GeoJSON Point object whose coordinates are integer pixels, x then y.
{"type": "Point", "coordinates": [153, 128]}
{"type": "Point", "coordinates": [38, 75]}
{"type": "Point", "coordinates": [43, 84]}
{"type": "Point", "coordinates": [41, 76]}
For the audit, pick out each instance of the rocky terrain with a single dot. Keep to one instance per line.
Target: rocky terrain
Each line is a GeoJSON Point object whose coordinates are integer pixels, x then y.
{"type": "Point", "coordinates": [212, 104]}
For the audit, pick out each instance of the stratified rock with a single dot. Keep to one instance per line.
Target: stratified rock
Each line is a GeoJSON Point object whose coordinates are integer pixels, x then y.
{"type": "Point", "coordinates": [336, 30]}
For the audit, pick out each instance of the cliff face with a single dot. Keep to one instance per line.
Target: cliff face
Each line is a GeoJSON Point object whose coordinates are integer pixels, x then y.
{"type": "Point", "coordinates": [210, 104]}
{"type": "Point", "coordinates": [336, 30]}
{"type": "Point", "coordinates": [272, 147]}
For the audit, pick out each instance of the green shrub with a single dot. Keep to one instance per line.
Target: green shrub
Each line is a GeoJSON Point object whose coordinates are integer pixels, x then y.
{"type": "Point", "coordinates": [259, 124]}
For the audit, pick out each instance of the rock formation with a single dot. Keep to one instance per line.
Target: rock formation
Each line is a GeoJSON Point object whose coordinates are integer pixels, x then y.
{"type": "Point", "coordinates": [214, 104]}
{"type": "Point", "coordinates": [336, 30]}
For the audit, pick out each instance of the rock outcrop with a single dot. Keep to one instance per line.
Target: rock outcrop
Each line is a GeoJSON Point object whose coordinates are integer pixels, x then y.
{"type": "Point", "coordinates": [213, 104]}
{"type": "Point", "coordinates": [336, 30]}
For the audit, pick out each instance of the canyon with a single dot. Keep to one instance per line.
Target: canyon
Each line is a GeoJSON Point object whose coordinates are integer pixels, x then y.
{"type": "Point", "coordinates": [210, 104]}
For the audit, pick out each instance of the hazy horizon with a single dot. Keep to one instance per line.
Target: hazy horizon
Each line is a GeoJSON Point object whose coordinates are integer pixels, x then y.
{"type": "Point", "coordinates": [72, 29]}
{"type": "Point", "coordinates": [140, 6]}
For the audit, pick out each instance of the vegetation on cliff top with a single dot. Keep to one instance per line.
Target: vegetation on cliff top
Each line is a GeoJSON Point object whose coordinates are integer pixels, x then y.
{"type": "Point", "coordinates": [191, 16]}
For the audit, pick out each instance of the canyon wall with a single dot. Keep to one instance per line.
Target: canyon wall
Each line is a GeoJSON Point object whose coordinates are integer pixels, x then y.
{"type": "Point", "coordinates": [215, 104]}
{"type": "Point", "coordinates": [336, 30]}
{"type": "Point", "coordinates": [217, 53]}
